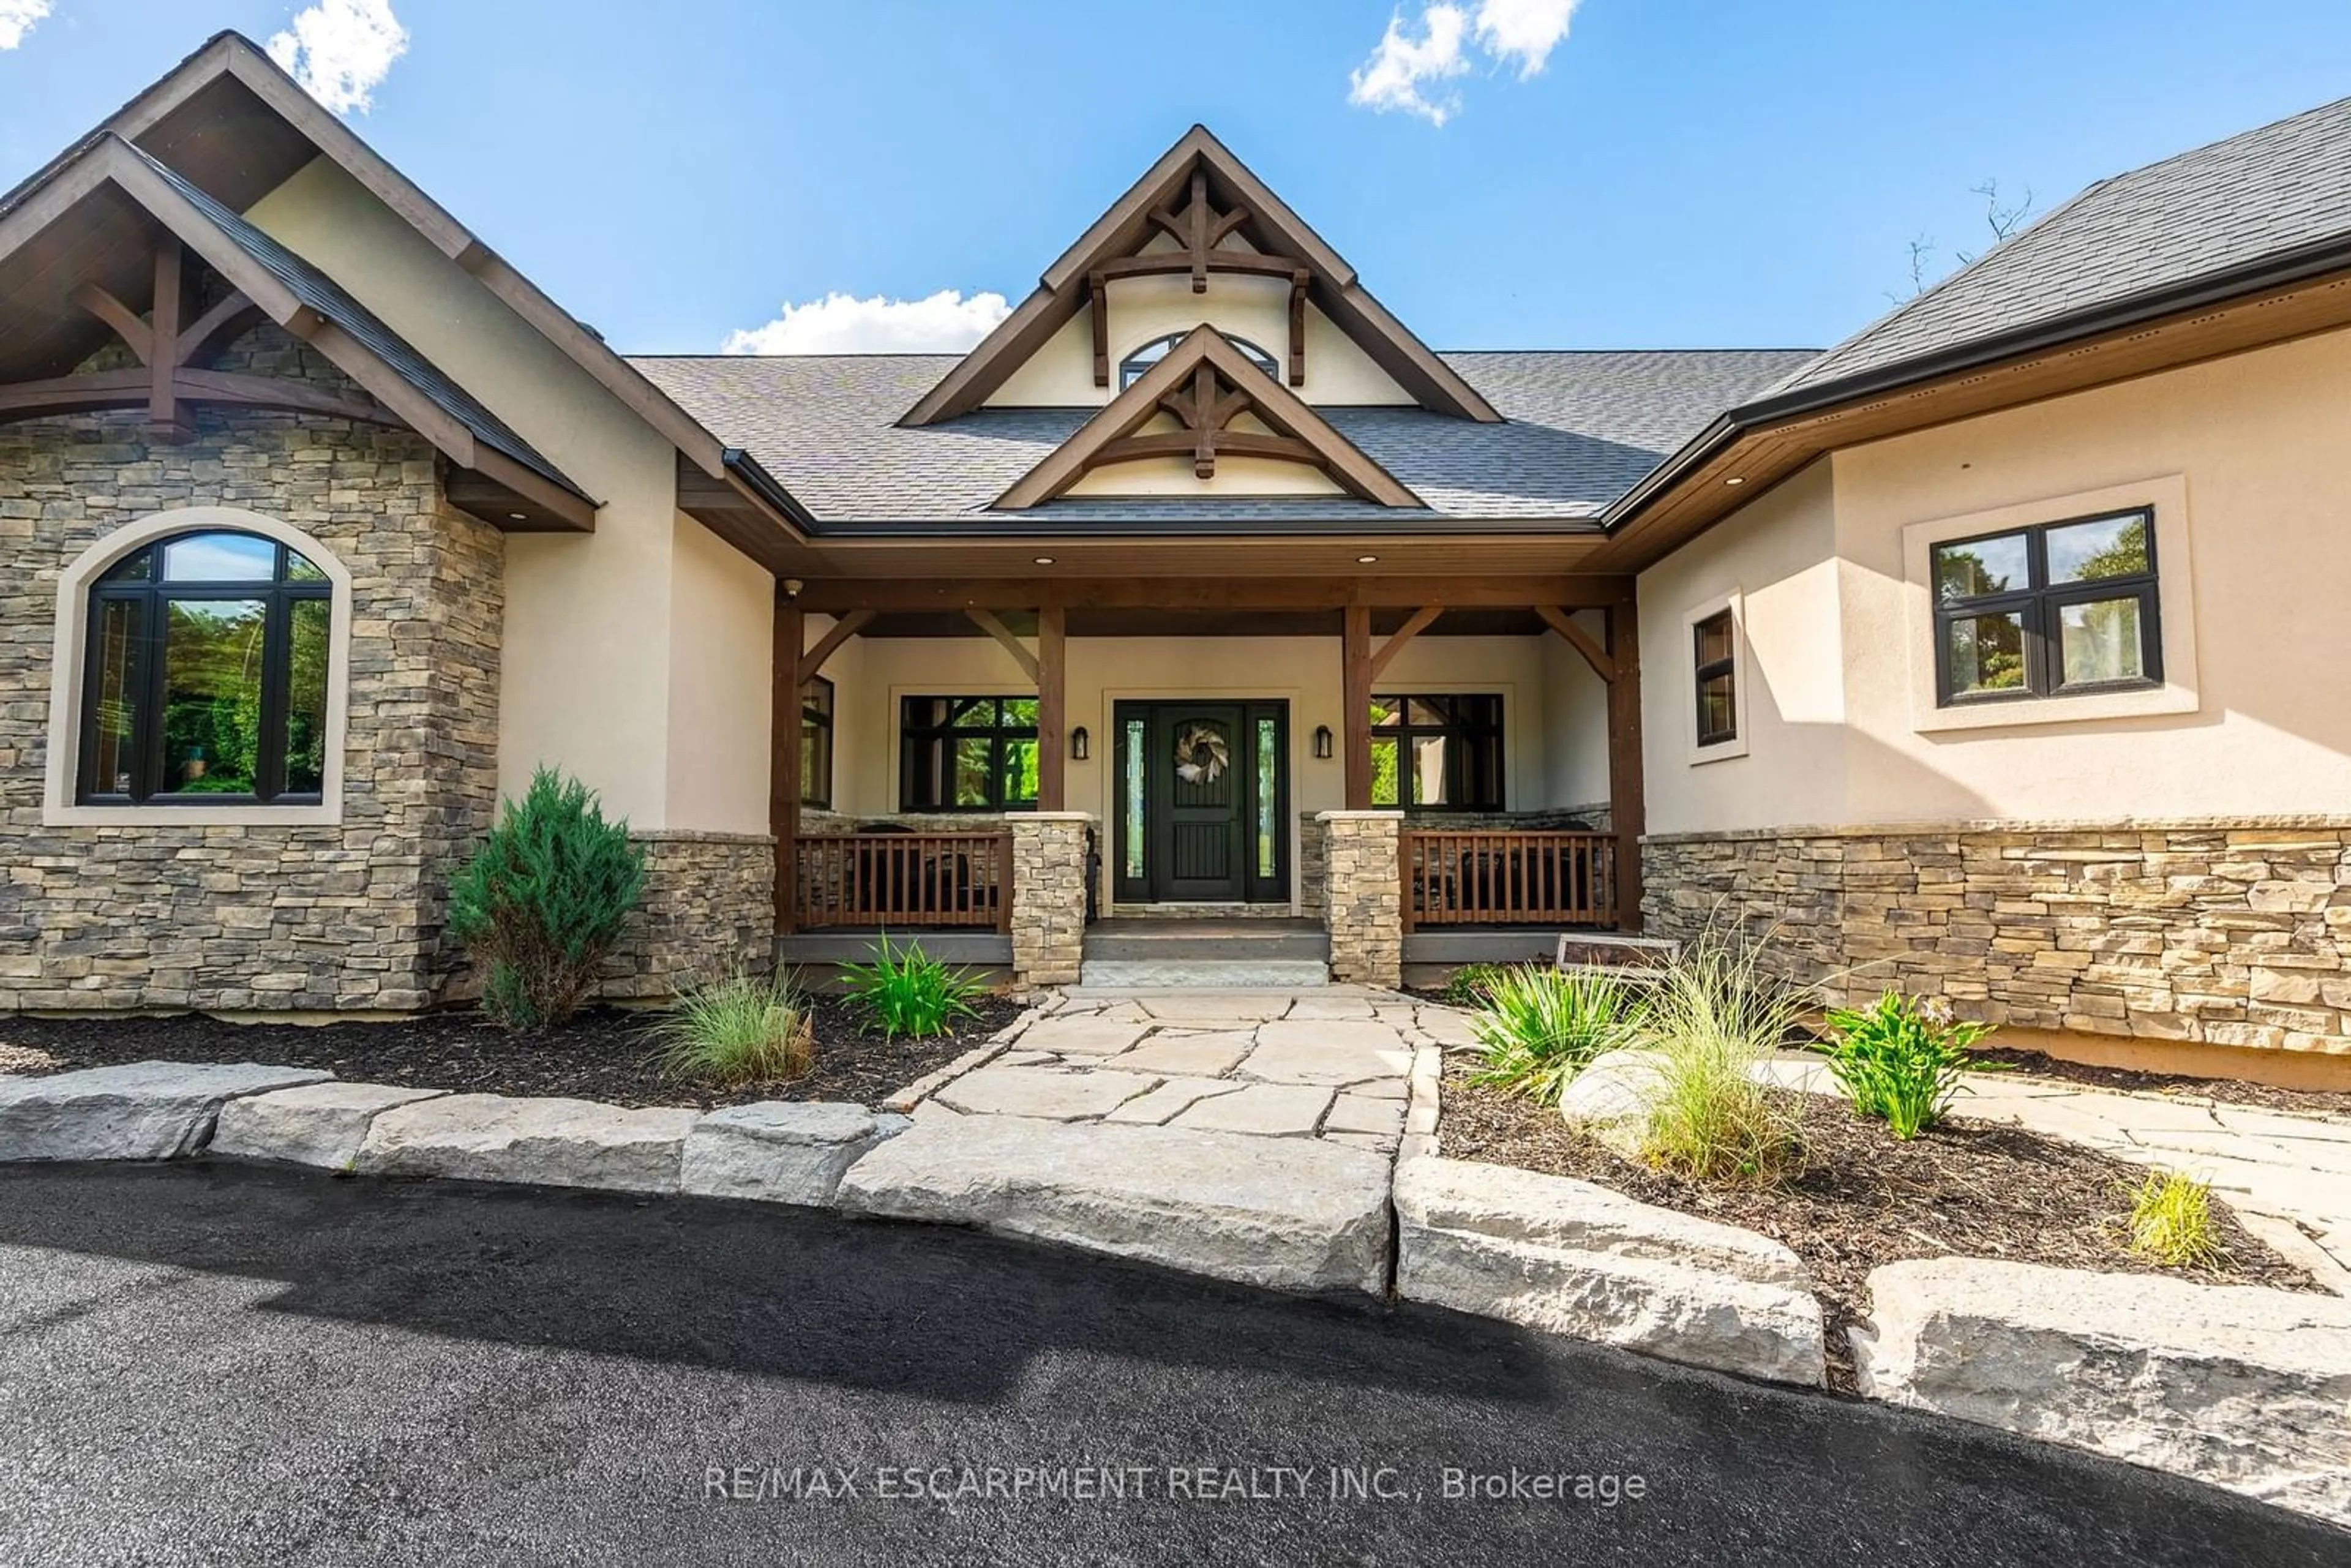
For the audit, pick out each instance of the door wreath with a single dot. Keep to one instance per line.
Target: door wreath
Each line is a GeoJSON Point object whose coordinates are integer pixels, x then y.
{"type": "Point", "coordinates": [1202, 753]}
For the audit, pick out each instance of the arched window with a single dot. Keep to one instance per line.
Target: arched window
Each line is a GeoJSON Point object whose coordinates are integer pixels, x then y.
{"type": "Point", "coordinates": [206, 675]}
{"type": "Point", "coordinates": [1133, 369]}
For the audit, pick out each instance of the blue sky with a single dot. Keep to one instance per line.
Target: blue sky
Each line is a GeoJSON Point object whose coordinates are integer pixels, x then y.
{"type": "Point", "coordinates": [1678, 173]}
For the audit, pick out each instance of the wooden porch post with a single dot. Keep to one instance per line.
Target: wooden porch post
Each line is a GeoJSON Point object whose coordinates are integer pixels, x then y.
{"type": "Point", "coordinates": [1627, 813]}
{"type": "Point", "coordinates": [1052, 717]}
{"type": "Point", "coordinates": [1356, 685]}
{"type": "Point", "coordinates": [784, 764]}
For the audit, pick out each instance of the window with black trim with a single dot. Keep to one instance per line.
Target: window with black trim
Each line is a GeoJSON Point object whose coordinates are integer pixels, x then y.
{"type": "Point", "coordinates": [967, 754]}
{"type": "Point", "coordinates": [816, 743]}
{"type": "Point", "coordinates": [1716, 650]}
{"type": "Point", "coordinates": [1138, 364]}
{"type": "Point", "coordinates": [204, 677]}
{"type": "Point", "coordinates": [1437, 752]}
{"type": "Point", "coordinates": [2056, 609]}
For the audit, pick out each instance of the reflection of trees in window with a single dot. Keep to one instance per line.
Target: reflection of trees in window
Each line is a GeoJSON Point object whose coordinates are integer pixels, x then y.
{"type": "Point", "coordinates": [967, 754]}
{"type": "Point", "coordinates": [206, 674]}
{"type": "Point", "coordinates": [2054, 610]}
{"type": "Point", "coordinates": [1437, 752]}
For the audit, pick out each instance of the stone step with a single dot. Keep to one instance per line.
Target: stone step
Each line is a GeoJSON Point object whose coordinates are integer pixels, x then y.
{"type": "Point", "coordinates": [1163, 940]}
{"type": "Point", "coordinates": [1222, 973]}
{"type": "Point", "coordinates": [1287, 1214]}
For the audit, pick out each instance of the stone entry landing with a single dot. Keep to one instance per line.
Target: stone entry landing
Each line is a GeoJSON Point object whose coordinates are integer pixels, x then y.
{"type": "Point", "coordinates": [1334, 1062]}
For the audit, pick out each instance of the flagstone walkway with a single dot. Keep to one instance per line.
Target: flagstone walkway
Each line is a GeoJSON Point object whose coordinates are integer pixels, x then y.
{"type": "Point", "coordinates": [1336, 1062]}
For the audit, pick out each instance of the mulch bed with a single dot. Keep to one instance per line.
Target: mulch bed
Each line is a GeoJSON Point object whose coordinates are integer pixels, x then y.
{"type": "Point", "coordinates": [1865, 1198]}
{"type": "Point", "coordinates": [603, 1054]}
{"type": "Point", "coordinates": [2228, 1091]}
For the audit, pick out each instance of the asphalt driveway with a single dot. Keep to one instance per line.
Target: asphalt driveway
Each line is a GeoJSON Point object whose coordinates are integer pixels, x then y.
{"type": "Point", "coordinates": [214, 1364]}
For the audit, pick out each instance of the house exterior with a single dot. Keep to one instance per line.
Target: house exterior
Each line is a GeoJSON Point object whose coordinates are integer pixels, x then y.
{"type": "Point", "coordinates": [1980, 655]}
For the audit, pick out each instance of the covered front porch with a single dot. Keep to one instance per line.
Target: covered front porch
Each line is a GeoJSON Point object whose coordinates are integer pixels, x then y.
{"type": "Point", "coordinates": [1451, 765]}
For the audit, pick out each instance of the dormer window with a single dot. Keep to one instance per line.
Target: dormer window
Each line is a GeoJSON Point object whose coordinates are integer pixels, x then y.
{"type": "Point", "coordinates": [1132, 369]}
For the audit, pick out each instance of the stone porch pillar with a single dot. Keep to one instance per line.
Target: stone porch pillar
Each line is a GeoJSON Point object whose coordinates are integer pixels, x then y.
{"type": "Point", "coordinates": [1364, 899]}
{"type": "Point", "coordinates": [1049, 897]}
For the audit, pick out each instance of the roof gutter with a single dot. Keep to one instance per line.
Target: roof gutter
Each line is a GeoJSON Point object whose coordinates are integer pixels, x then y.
{"type": "Point", "coordinates": [764, 484]}
{"type": "Point", "coordinates": [2279, 269]}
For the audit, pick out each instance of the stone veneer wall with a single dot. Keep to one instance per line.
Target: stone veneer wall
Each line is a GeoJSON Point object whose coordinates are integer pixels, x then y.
{"type": "Point", "coordinates": [2233, 932]}
{"type": "Point", "coordinates": [1049, 897]}
{"type": "Point", "coordinates": [1363, 910]}
{"type": "Point", "coordinates": [264, 918]}
{"type": "Point", "coordinates": [1314, 851]}
{"type": "Point", "coordinates": [709, 910]}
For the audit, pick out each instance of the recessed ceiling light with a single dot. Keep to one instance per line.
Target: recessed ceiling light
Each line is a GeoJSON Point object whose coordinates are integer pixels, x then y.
{"type": "Point", "coordinates": [1736, 479]}
{"type": "Point", "coordinates": [1044, 560]}
{"type": "Point", "coordinates": [1365, 560]}
{"type": "Point", "coordinates": [517, 518]}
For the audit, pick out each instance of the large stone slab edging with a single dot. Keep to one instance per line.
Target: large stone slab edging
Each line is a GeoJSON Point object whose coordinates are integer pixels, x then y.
{"type": "Point", "coordinates": [2245, 1389]}
{"type": "Point", "coordinates": [551, 1141]}
{"type": "Point", "coordinates": [1570, 1258]}
{"type": "Point", "coordinates": [321, 1124]}
{"type": "Point", "coordinates": [780, 1151]}
{"type": "Point", "coordinates": [1290, 1214]}
{"type": "Point", "coordinates": [143, 1110]}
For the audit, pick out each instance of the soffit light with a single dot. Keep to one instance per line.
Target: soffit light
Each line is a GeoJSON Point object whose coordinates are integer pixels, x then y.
{"type": "Point", "coordinates": [1365, 560]}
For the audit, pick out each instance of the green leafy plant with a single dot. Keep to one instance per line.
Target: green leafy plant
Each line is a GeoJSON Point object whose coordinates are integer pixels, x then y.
{"type": "Point", "coordinates": [906, 992]}
{"type": "Point", "coordinates": [1900, 1059]}
{"type": "Point", "coordinates": [2171, 1221]}
{"type": "Point", "coordinates": [1541, 1027]}
{"type": "Point", "coordinates": [1713, 1014]}
{"type": "Point", "coordinates": [544, 899]}
{"type": "Point", "coordinates": [745, 1028]}
{"type": "Point", "coordinates": [1467, 986]}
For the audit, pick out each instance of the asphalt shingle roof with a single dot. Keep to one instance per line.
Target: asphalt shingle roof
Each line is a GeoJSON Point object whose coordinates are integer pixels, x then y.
{"type": "Point", "coordinates": [2272, 190]}
{"type": "Point", "coordinates": [1581, 428]}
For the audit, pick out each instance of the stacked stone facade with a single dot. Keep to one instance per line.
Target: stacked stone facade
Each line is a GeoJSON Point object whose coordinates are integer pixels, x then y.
{"type": "Point", "coordinates": [1363, 896]}
{"type": "Point", "coordinates": [2231, 933]}
{"type": "Point", "coordinates": [1049, 897]}
{"type": "Point", "coordinates": [264, 917]}
{"type": "Point", "coordinates": [709, 910]}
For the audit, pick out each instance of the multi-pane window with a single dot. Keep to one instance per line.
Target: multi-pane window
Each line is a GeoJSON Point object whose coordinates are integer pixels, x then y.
{"type": "Point", "coordinates": [2051, 610]}
{"type": "Point", "coordinates": [1138, 364]}
{"type": "Point", "coordinates": [1715, 652]}
{"type": "Point", "coordinates": [816, 743]}
{"type": "Point", "coordinates": [1441, 752]}
{"type": "Point", "coordinates": [205, 675]}
{"type": "Point", "coordinates": [967, 754]}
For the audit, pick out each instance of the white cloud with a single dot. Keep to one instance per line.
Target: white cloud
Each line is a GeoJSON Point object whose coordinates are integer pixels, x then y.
{"type": "Point", "coordinates": [1525, 31]}
{"type": "Point", "coordinates": [1392, 77]}
{"type": "Point", "coordinates": [1510, 32]}
{"type": "Point", "coordinates": [16, 19]}
{"type": "Point", "coordinates": [340, 50]}
{"type": "Point", "coordinates": [946, 323]}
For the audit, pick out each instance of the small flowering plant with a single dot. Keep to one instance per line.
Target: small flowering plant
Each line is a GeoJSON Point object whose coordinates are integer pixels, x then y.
{"type": "Point", "coordinates": [1900, 1059]}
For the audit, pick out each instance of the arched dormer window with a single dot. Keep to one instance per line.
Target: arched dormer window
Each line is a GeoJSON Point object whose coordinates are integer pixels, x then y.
{"type": "Point", "coordinates": [1137, 364]}
{"type": "Point", "coordinates": [206, 675]}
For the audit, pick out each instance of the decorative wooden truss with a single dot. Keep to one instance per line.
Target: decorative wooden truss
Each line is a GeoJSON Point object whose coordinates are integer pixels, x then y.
{"type": "Point", "coordinates": [173, 356]}
{"type": "Point", "coordinates": [1206, 382]}
{"type": "Point", "coordinates": [1200, 229]}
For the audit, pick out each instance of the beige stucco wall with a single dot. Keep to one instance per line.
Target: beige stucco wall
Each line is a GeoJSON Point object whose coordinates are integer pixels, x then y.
{"type": "Point", "coordinates": [1060, 374]}
{"type": "Point", "coordinates": [629, 655]}
{"type": "Point", "coordinates": [2241, 456]}
{"type": "Point", "coordinates": [871, 674]}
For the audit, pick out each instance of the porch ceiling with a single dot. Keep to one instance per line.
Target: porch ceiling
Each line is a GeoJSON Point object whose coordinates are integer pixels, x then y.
{"type": "Point", "coordinates": [1081, 622]}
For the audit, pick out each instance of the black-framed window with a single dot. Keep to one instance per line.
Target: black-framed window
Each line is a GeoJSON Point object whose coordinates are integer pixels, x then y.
{"type": "Point", "coordinates": [816, 743]}
{"type": "Point", "coordinates": [1439, 753]}
{"type": "Point", "coordinates": [1714, 648]}
{"type": "Point", "coordinates": [204, 675]}
{"type": "Point", "coordinates": [967, 754]}
{"type": "Point", "coordinates": [2056, 609]}
{"type": "Point", "coordinates": [1138, 364]}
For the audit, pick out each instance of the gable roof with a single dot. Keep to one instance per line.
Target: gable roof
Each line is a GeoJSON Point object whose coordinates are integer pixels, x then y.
{"type": "Point", "coordinates": [1583, 427]}
{"type": "Point", "coordinates": [106, 198]}
{"type": "Point", "coordinates": [1271, 227]}
{"type": "Point", "coordinates": [1206, 359]}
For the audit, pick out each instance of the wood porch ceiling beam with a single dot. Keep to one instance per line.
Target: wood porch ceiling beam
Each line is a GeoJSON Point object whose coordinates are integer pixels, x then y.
{"type": "Point", "coordinates": [987, 621]}
{"type": "Point", "coordinates": [812, 661]}
{"type": "Point", "coordinates": [1582, 641]}
{"type": "Point", "coordinates": [1412, 628]}
{"type": "Point", "coordinates": [834, 595]}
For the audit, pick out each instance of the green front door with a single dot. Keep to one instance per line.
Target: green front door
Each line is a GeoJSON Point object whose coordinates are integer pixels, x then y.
{"type": "Point", "coordinates": [1202, 802]}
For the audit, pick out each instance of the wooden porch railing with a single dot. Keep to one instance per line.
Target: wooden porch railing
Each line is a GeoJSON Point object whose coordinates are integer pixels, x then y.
{"type": "Point", "coordinates": [1503, 878]}
{"type": "Point", "coordinates": [897, 881]}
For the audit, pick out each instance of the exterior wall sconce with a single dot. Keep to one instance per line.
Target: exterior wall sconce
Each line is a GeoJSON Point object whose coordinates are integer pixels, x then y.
{"type": "Point", "coordinates": [1322, 743]}
{"type": "Point", "coordinates": [1078, 744]}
